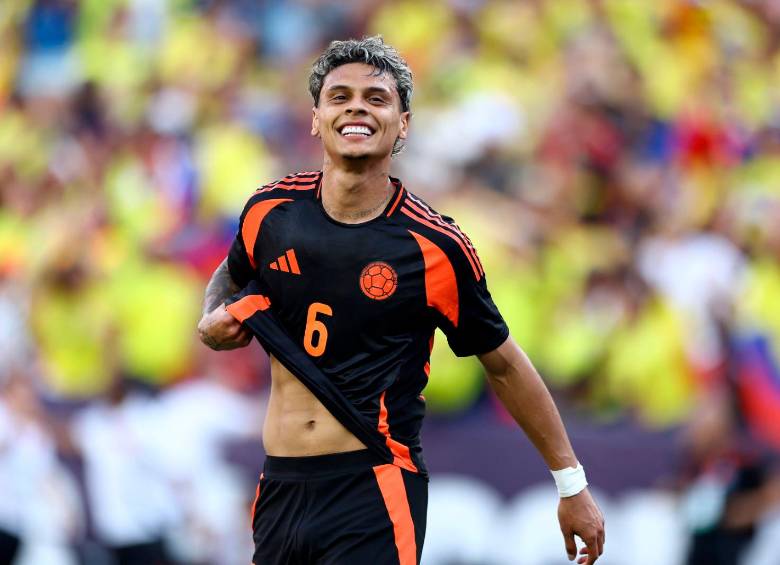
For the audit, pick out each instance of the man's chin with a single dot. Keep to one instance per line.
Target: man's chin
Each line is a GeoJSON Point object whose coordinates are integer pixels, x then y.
{"type": "Point", "coordinates": [356, 156]}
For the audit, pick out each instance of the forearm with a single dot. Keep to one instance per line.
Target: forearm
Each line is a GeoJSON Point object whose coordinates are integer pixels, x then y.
{"type": "Point", "coordinates": [522, 391]}
{"type": "Point", "coordinates": [220, 287]}
{"type": "Point", "coordinates": [217, 328]}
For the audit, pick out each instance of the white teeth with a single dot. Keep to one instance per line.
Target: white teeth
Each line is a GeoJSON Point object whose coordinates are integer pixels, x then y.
{"type": "Point", "coordinates": [362, 130]}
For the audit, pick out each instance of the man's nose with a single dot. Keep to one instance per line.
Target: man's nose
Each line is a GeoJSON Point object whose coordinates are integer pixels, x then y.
{"type": "Point", "coordinates": [355, 107]}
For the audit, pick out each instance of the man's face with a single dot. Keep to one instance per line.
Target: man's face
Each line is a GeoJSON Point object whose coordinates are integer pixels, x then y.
{"type": "Point", "coordinates": [359, 114]}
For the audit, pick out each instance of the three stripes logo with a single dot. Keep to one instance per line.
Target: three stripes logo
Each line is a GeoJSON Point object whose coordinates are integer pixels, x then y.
{"type": "Point", "coordinates": [287, 263]}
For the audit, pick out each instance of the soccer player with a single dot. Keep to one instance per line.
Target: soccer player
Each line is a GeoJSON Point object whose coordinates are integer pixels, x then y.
{"type": "Point", "coordinates": [343, 275]}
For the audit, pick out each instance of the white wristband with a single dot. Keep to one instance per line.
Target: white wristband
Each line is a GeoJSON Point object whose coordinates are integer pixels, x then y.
{"type": "Point", "coordinates": [570, 481]}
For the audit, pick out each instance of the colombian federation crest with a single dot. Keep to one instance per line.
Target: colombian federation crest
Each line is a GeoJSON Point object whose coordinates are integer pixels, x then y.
{"type": "Point", "coordinates": [378, 280]}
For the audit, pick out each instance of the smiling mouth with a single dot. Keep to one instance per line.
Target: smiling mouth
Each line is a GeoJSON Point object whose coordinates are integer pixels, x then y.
{"type": "Point", "coordinates": [356, 131]}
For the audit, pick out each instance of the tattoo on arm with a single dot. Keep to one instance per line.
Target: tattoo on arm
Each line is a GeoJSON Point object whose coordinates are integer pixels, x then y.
{"type": "Point", "coordinates": [220, 287]}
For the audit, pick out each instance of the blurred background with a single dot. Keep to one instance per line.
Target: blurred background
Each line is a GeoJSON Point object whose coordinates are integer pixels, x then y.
{"type": "Point", "coordinates": [616, 162]}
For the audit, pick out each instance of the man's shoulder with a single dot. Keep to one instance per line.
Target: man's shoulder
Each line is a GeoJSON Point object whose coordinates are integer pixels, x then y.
{"type": "Point", "coordinates": [430, 227]}
{"type": "Point", "coordinates": [295, 186]}
{"type": "Point", "coordinates": [415, 208]}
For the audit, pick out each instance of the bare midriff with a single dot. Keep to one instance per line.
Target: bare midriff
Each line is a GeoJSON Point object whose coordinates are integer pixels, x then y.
{"type": "Point", "coordinates": [297, 424]}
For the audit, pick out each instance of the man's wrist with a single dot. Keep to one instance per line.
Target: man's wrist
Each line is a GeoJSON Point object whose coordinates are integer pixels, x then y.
{"type": "Point", "coordinates": [570, 481]}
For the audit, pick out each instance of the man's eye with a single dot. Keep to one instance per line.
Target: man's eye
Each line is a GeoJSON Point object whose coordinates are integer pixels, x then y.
{"type": "Point", "coordinates": [339, 98]}
{"type": "Point", "coordinates": [376, 100]}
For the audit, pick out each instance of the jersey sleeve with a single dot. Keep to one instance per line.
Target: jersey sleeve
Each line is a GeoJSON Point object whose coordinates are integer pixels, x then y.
{"type": "Point", "coordinates": [478, 327]}
{"type": "Point", "coordinates": [481, 328]}
{"type": "Point", "coordinates": [239, 266]}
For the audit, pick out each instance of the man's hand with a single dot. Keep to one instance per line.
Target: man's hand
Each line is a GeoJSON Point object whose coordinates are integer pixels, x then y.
{"type": "Point", "coordinates": [221, 331]}
{"type": "Point", "coordinates": [580, 515]}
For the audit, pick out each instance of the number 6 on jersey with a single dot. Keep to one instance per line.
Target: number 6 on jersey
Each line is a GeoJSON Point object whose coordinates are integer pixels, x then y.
{"type": "Point", "coordinates": [315, 327]}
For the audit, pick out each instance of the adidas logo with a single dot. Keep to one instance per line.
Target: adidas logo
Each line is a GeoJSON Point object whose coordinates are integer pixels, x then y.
{"type": "Point", "coordinates": [287, 263]}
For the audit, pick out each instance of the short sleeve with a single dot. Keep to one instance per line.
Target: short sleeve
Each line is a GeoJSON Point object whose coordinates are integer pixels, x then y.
{"type": "Point", "coordinates": [240, 268]}
{"type": "Point", "coordinates": [457, 290]}
{"type": "Point", "coordinates": [239, 265]}
{"type": "Point", "coordinates": [480, 328]}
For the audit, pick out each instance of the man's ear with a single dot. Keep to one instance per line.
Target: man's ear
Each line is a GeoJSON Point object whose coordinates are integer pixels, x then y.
{"type": "Point", "coordinates": [404, 125]}
{"type": "Point", "coordinates": [315, 123]}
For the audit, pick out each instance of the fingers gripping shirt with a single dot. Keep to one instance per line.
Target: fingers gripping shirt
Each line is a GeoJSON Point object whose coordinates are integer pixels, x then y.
{"type": "Point", "coordinates": [361, 302]}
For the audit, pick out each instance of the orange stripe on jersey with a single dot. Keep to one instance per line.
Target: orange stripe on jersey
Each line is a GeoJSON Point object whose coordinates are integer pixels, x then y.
{"type": "Point", "coordinates": [473, 250]}
{"type": "Point", "coordinates": [432, 216]}
{"type": "Point", "coordinates": [441, 286]}
{"type": "Point", "coordinates": [283, 264]}
{"type": "Point", "coordinates": [286, 186]}
{"type": "Point", "coordinates": [452, 227]}
{"type": "Point", "coordinates": [297, 179]}
{"type": "Point", "coordinates": [449, 234]}
{"type": "Point", "coordinates": [397, 200]}
{"type": "Point", "coordinates": [247, 306]}
{"type": "Point", "coordinates": [252, 221]}
{"type": "Point", "coordinates": [293, 260]}
{"type": "Point", "coordinates": [391, 485]}
{"type": "Point", "coordinates": [401, 456]}
{"type": "Point", "coordinates": [297, 186]}
{"type": "Point", "coordinates": [301, 178]}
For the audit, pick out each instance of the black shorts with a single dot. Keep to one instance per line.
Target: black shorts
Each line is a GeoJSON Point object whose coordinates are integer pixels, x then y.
{"type": "Point", "coordinates": [341, 509]}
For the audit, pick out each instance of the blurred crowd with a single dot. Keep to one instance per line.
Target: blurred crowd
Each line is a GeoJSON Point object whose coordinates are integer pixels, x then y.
{"type": "Point", "coordinates": [617, 164]}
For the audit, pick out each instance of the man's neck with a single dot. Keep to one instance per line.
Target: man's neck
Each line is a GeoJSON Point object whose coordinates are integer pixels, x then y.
{"type": "Point", "coordinates": [356, 194]}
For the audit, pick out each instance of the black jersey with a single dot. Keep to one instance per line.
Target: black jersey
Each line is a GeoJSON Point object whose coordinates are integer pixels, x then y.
{"type": "Point", "coordinates": [363, 300]}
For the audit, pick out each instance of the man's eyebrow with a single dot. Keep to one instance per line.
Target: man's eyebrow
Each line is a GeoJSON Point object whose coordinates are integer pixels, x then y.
{"type": "Point", "coordinates": [382, 89]}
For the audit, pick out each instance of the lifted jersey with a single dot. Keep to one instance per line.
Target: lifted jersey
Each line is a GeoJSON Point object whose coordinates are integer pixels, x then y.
{"type": "Point", "coordinates": [363, 300]}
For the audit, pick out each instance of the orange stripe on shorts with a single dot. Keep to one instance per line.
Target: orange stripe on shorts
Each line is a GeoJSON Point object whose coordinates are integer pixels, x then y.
{"type": "Point", "coordinates": [391, 485]}
{"type": "Point", "coordinates": [254, 504]}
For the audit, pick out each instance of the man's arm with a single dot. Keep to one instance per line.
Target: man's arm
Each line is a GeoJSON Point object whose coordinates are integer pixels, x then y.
{"type": "Point", "coordinates": [522, 391]}
{"type": "Point", "coordinates": [217, 328]}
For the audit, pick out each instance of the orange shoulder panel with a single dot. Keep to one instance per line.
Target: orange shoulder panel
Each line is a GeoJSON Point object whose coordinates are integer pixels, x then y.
{"type": "Point", "coordinates": [254, 217]}
{"type": "Point", "coordinates": [441, 287]}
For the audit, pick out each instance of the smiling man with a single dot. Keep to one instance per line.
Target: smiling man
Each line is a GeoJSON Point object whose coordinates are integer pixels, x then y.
{"type": "Point", "coordinates": [343, 276]}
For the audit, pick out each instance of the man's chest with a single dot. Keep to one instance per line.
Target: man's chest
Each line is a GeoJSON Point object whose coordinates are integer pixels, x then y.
{"type": "Point", "coordinates": [334, 286]}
